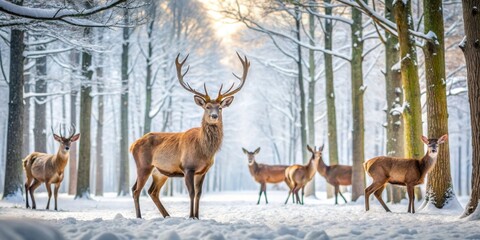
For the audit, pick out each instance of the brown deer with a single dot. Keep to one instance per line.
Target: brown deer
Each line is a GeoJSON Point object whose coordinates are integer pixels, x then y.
{"type": "Point", "coordinates": [186, 154]}
{"type": "Point", "coordinates": [297, 176]}
{"type": "Point", "coordinates": [401, 171]}
{"type": "Point", "coordinates": [263, 173]}
{"type": "Point", "coordinates": [48, 168]}
{"type": "Point", "coordinates": [336, 175]}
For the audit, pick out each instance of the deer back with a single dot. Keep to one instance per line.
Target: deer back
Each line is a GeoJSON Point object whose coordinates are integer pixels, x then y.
{"type": "Point", "coordinates": [395, 170]}
{"type": "Point", "coordinates": [40, 166]}
{"type": "Point", "coordinates": [269, 173]}
{"type": "Point", "coordinates": [339, 175]}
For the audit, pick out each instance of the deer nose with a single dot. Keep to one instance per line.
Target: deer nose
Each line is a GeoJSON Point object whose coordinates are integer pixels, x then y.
{"type": "Point", "coordinates": [67, 148]}
{"type": "Point", "coordinates": [214, 116]}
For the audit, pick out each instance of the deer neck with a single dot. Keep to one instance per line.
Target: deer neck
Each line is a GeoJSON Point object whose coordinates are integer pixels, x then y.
{"type": "Point", "coordinates": [60, 160]}
{"type": "Point", "coordinates": [253, 167]}
{"type": "Point", "coordinates": [312, 167]}
{"type": "Point", "coordinates": [427, 163]}
{"type": "Point", "coordinates": [211, 136]}
{"type": "Point", "coordinates": [322, 167]}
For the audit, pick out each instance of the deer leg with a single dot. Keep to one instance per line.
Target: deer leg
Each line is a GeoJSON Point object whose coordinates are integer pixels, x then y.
{"type": "Point", "coordinates": [368, 191]}
{"type": "Point", "coordinates": [411, 197]}
{"type": "Point", "coordinates": [303, 193]}
{"type": "Point", "coordinates": [154, 192]}
{"type": "Point", "coordinates": [341, 195]}
{"type": "Point", "coordinates": [189, 177]}
{"type": "Point", "coordinates": [27, 185]}
{"type": "Point", "coordinates": [142, 176]}
{"type": "Point", "coordinates": [260, 194]}
{"type": "Point", "coordinates": [55, 194]}
{"type": "Point", "coordinates": [49, 191]}
{"type": "Point", "coordinates": [336, 194]}
{"type": "Point", "coordinates": [32, 188]}
{"type": "Point", "coordinates": [378, 195]}
{"type": "Point", "coordinates": [289, 192]}
{"type": "Point", "coordinates": [297, 197]}
{"type": "Point", "coordinates": [264, 190]}
{"type": "Point", "coordinates": [198, 193]}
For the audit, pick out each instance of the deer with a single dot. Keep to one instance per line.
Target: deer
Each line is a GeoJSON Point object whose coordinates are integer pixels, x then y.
{"type": "Point", "coordinates": [408, 172]}
{"type": "Point", "coordinates": [263, 173]}
{"type": "Point", "coordinates": [48, 168]}
{"type": "Point", "coordinates": [297, 176]}
{"type": "Point", "coordinates": [336, 175]}
{"type": "Point", "coordinates": [188, 154]}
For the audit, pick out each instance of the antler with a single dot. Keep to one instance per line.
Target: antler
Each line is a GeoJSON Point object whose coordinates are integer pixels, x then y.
{"type": "Point", "coordinates": [246, 65]}
{"type": "Point", "coordinates": [71, 131]}
{"type": "Point", "coordinates": [187, 86]}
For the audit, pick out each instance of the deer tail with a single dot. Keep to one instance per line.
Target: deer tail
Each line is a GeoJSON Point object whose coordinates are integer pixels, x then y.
{"type": "Point", "coordinates": [28, 160]}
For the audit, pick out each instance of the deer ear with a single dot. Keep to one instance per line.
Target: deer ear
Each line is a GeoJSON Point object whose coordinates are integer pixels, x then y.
{"type": "Point", "coordinates": [57, 138]}
{"type": "Point", "coordinates": [257, 151]}
{"type": "Point", "coordinates": [75, 137]}
{"type": "Point", "coordinates": [244, 150]}
{"type": "Point", "coordinates": [321, 147]}
{"type": "Point", "coordinates": [424, 139]}
{"type": "Point", "coordinates": [442, 139]}
{"type": "Point", "coordinates": [309, 149]}
{"type": "Point", "coordinates": [226, 101]}
{"type": "Point", "coordinates": [199, 101]}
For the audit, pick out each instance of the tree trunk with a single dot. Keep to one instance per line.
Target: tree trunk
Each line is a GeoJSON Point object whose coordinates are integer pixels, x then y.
{"type": "Point", "coordinates": [395, 131]}
{"type": "Point", "coordinates": [40, 122]}
{"type": "Point", "coordinates": [13, 166]}
{"type": "Point", "coordinates": [330, 94]}
{"type": "Point", "coordinates": [439, 183]}
{"type": "Point", "coordinates": [148, 80]}
{"type": "Point", "coordinates": [26, 114]}
{"type": "Point", "coordinates": [99, 136]}
{"type": "Point", "coordinates": [72, 183]}
{"type": "Point", "coordinates": [310, 187]}
{"type": "Point", "coordinates": [471, 49]}
{"type": "Point", "coordinates": [123, 186]}
{"type": "Point", "coordinates": [412, 111]}
{"type": "Point", "coordinates": [358, 154]}
{"type": "Point", "coordinates": [83, 175]}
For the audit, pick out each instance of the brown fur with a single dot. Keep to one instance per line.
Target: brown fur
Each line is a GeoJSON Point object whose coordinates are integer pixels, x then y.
{"type": "Point", "coordinates": [400, 171]}
{"type": "Point", "coordinates": [336, 175]}
{"type": "Point", "coordinates": [189, 154]}
{"type": "Point", "coordinates": [263, 173]}
{"type": "Point", "coordinates": [175, 155]}
{"type": "Point", "coordinates": [297, 176]}
{"type": "Point", "coordinates": [47, 168]}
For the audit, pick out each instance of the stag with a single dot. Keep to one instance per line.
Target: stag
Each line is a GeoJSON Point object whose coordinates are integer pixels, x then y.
{"type": "Point", "coordinates": [48, 168]}
{"type": "Point", "coordinates": [297, 176]}
{"type": "Point", "coordinates": [336, 175]}
{"type": "Point", "coordinates": [401, 171]}
{"type": "Point", "coordinates": [187, 154]}
{"type": "Point", "coordinates": [263, 173]}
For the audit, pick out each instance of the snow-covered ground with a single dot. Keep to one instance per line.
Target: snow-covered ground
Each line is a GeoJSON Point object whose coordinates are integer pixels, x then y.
{"type": "Point", "coordinates": [235, 215]}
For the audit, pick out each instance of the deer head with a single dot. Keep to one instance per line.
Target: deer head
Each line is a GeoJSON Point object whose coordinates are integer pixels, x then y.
{"type": "Point", "coordinates": [433, 143]}
{"type": "Point", "coordinates": [316, 154]}
{"type": "Point", "coordinates": [66, 141]}
{"type": "Point", "coordinates": [212, 107]}
{"type": "Point", "coordinates": [251, 155]}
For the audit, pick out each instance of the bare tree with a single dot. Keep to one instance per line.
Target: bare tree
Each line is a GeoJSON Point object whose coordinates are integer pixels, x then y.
{"type": "Point", "coordinates": [471, 49]}
{"type": "Point", "coordinates": [13, 166]}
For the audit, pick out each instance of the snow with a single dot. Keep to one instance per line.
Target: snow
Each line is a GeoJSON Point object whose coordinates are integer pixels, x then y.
{"type": "Point", "coordinates": [453, 207]}
{"type": "Point", "coordinates": [431, 35]}
{"type": "Point", "coordinates": [233, 215]}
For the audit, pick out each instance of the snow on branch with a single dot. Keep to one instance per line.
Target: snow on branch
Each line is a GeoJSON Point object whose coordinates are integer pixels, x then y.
{"type": "Point", "coordinates": [382, 21]}
{"type": "Point", "coordinates": [67, 15]}
{"type": "Point", "coordinates": [52, 14]}
{"type": "Point", "coordinates": [255, 26]}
